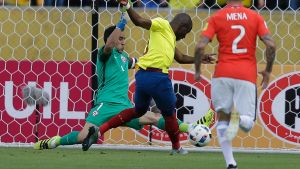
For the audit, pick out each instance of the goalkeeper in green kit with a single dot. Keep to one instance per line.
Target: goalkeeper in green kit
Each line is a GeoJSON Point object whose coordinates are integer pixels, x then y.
{"type": "Point", "coordinates": [112, 95]}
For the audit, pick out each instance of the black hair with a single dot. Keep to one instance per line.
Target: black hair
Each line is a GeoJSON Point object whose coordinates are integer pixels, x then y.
{"type": "Point", "coordinates": [107, 32]}
{"type": "Point", "coordinates": [183, 19]}
{"type": "Point", "coordinates": [182, 16]}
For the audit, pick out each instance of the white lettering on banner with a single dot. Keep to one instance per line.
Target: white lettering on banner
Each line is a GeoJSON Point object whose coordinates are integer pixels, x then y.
{"type": "Point", "coordinates": [64, 96]}
{"type": "Point", "coordinates": [25, 113]}
{"type": "Point", "coordinates": [47, 109]}
{"type": "Point", "coordinates": [9, 107]}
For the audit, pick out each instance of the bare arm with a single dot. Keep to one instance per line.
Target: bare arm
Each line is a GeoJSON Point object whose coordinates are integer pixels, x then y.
{"type": "Point", "coordinates": [186, 59]}
{"type": "Point", "coordinates": [270, 57]}
{"type": "Point", "coordinates": [182, 58]}
{"type": "Point", "coordinates": [270, 51]}
{"type": "Point", "coordinates": [112, 42]}
{"type": "Point", "coordinates": [138, 20]}
{"type": "Point", "coordinates": [199, 54]}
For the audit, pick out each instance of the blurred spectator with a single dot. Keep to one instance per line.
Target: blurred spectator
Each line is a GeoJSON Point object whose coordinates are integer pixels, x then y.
{"type": "Point", "coordinates": [22, 2]}
{"type": "Point", "coordinates": [109, 3]}
{"type": "Point", "coordinates": [222, 3]}
{"type": "Point", "coordinates": [54, 2]}
{"type": "Point", "coordinates": [295, 4]}
{"type": "Point", "coordinates": [188, 4]}
{"type": "Point", "coordinates": [152, 3]}
{"type": "Point", "coordinates": [17, 2]}
{"type": "Point", "coordinates": [80, 2]}
{"type": "Point", "coordinates": [274, 4]}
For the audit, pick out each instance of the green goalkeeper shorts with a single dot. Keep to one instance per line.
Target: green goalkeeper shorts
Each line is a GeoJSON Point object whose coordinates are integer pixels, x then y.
{"type": "Point", "coordinates": [103, 112]}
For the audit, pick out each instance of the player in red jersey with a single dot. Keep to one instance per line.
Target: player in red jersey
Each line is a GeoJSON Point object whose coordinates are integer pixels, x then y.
{"type": "Point", "coordinates": [234, 80]}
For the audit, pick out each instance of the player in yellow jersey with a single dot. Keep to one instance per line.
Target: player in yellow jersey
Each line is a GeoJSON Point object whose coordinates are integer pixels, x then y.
{"type": "Point", "coordinates": [152, 79]}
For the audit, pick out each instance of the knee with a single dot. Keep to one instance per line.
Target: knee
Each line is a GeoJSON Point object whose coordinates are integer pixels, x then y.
{"type": "Point", "coordinates": [246, 123]}
{"type": "Point", "coordinates": [141, 110]}
{"type": "Point", "coordinates": [167, 110]}
{"type": "Point", "coordinates": [222, 116]}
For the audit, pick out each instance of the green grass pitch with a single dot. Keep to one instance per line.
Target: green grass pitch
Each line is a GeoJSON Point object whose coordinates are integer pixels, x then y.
{"type": "Point", "coordinates": [62, 158]}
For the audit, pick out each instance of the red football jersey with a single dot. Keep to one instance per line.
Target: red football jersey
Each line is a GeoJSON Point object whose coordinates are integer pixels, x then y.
{"type": "Point", "coordinates": [236, 28]}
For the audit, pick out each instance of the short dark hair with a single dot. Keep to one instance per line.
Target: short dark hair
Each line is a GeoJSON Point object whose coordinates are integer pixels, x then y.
{"type": "Point", "coordinates": [108, 31]}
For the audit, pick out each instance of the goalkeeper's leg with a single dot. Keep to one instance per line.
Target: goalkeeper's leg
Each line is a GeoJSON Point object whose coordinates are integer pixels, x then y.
{"type": "Point", "coordinates": [47, 143]}
{"type": "Point", "coordinates": [74, 137]}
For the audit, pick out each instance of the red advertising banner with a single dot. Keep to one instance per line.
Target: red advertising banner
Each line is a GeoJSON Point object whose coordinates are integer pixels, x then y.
{"type": "Point", "coordinates": [68, 84]}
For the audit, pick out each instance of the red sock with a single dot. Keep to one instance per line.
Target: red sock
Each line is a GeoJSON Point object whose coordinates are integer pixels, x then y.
{"type": "Point", "coordinates": [171, 126]}
{"type": "Point", "coordinates": [119, 119]}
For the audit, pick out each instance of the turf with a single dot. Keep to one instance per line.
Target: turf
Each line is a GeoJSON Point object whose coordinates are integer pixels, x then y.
{"type": "Point", "coordinates": [27, 158]}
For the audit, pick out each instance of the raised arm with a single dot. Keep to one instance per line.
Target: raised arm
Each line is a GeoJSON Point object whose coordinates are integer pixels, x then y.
{"type": "Point", "coordinates": [135, 17]}
{"type": "Point", "coordinates": [113, 39]}
{"type": "Point", "coordinates": [270, 57]}
{"type": "Point", "coordinates": [199, 55]}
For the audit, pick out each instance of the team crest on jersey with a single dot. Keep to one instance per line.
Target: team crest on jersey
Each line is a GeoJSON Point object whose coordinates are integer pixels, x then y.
{"type": "Point", "coordinates": [124, 59]}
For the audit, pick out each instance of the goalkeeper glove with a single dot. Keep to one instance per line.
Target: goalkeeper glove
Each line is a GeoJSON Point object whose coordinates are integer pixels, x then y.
{"type": "Point", "coordinates": [126, 4]}
{"type": "Point", "coordinates": [122, 23]}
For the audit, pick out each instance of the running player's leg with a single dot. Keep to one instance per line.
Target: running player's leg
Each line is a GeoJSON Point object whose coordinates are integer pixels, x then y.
{"type": "Point", "coordinates": [245, 97]}
{"type": "Point", "coordinates": [165, 100]}
{"type": "Point", "coordinates": [222, 99]}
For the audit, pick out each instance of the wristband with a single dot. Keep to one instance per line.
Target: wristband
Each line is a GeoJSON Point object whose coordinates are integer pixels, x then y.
{"type": "Point", "coordinates": [127, 5]}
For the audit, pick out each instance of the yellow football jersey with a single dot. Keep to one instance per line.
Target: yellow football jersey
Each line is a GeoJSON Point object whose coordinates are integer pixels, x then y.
{"type": "Point", "coordinates": [160, 50]}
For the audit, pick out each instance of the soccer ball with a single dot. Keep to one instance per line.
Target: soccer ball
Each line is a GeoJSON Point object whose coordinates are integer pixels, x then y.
{"type": "Point", "coordinates": [199, 135]}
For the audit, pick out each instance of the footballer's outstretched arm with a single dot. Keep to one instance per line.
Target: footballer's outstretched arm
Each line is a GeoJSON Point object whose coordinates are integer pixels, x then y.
{"type": "Point", "coordinates": [182, 58]}
{"type": "Point", "coordinates": [186, 59]}
{"type": "Point", "coordinates": [138, 20]}
{"type": "Point", "coordinates": [134, 16]}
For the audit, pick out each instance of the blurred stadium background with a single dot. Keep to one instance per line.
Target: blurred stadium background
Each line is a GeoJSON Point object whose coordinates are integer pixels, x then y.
{"type": "Point", "coordinates": [52, 44]}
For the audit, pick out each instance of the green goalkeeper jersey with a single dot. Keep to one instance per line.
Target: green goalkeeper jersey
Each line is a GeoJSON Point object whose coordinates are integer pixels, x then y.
{"type": "Point", "coordinates": [113, 78]}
